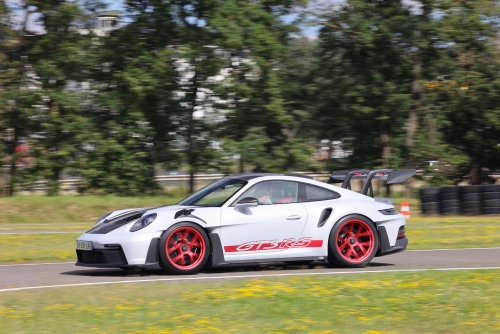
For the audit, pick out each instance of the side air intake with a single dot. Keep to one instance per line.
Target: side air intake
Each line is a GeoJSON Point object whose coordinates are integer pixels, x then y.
{"type": "Point", "coordinates": [324, 216]}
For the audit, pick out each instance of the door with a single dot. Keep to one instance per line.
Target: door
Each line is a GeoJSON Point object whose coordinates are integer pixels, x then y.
{"type": "Point", "coordinates": [264, 231]}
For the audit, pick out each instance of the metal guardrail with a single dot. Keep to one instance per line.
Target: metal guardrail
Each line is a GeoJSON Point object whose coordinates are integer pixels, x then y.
{"type": "Point", "coordinates": [68, 183]}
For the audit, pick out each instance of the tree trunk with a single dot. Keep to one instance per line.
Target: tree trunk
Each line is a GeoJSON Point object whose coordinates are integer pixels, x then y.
{"type": "Point", "coordinates": [386, 151]}
{"type": "Point", "coordinates": [431, 126]}
{"type": "Point", "coordinates": [53, 182]}
{"type": "Point", "coordinates": [191, 148]}
{"type": "Point", "coordinates": [418, 96]}
{"type": "Point", "coordinates": [241, 164]}
{"type": "Point", "coordinates": [191, 180]}
{"type": "Point", "coordinates": [386, 145]}
{"type": "Point", "coordinates": [475, 174]}
{"type": "Point", "coordinates": [13, 155]}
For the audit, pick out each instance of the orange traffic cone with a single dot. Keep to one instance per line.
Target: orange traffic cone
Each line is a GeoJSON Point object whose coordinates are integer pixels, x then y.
{"type": "Point", "coordinates": [405, 209]}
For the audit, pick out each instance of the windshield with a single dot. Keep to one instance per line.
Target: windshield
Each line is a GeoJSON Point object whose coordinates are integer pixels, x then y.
{"type": "Point", "coordinates": [215, 194]}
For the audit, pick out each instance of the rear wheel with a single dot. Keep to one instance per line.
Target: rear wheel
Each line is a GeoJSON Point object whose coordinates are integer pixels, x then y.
{"type": "Point", "coordinates": [353, 242]}
{"type": "Point", "coordinates": [184, 249]}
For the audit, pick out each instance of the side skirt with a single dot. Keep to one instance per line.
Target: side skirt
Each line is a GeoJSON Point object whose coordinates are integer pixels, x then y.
{"type": "Point", "coordinates": [288, 259]}
{"type": "Point", "coordinates": [219, 260]}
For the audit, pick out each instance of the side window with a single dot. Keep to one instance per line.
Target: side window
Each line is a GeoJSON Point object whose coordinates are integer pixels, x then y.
{"type": "Point", "coordinates": [313, 193]}
{"type": "Point", "coordinates": [273, 192]}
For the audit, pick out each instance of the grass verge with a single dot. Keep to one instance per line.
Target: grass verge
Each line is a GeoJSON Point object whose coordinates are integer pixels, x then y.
{"type": "Point", "coordinates": [37, 247]}
{"type": "Point", "coordinates": [69, 209]}
{"type": "Point", "coordinates": [426, 302]}
{"type": "Point", "coordinates": [453, 232]}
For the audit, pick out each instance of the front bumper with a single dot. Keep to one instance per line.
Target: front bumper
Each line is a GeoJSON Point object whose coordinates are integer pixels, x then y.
{"type": "Point", "coordinates": [104, 258]}
{"type": "Point", "coordinates": [116, 250]}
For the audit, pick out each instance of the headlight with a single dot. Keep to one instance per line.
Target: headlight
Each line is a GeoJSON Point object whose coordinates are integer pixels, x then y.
{"type": "Point", "coordinates": [100, 220]}
{"type": "Point", "coordinates": [388, 212]}
{"type": "Point", "coordinates": [143, 222]}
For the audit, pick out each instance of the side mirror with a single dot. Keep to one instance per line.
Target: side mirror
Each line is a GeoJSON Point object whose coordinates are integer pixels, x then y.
{"type": "Point", "coordinates": [247, 202]}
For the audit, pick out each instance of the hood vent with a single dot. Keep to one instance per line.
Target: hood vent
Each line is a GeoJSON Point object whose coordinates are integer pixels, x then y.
{"type": "Point", "coordinates": [116, 222]}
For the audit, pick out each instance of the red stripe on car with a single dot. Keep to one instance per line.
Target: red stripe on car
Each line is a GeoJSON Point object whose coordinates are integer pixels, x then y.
{"type": "Point", "coordinates": [265, 245]}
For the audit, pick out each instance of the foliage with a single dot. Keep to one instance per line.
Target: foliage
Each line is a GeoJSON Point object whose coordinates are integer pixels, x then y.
{"type": "Point", "coordinates": [367, 79]}
{"type": "Point", "coordinates": [199, 84]}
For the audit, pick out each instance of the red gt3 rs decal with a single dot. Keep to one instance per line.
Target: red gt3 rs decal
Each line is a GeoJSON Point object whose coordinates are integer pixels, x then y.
{"type": "Point", "coordinates": [265, 245]}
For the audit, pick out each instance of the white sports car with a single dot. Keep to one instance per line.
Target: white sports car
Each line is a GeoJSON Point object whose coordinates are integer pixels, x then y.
{"type": "Point", "coordinates": [253, 218]}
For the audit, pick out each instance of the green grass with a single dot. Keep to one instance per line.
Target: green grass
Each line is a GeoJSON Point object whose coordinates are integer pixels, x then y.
{"type": "Point", "coordinates": [58, 227]}
{"type": "Point", "coordinates": [37, 209]}
{"type": "Point", "coordinates": [453, 232]}
{"type": "Point", "coordinates": [425, 302]}
{"type": "Point", "coordinates": [37, 248]}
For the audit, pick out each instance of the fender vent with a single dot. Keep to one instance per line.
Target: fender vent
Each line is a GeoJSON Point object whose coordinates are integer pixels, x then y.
{"type": "Point", "coordinates": [324, 216]}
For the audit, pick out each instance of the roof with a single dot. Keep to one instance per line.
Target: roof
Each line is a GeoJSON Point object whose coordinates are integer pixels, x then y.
{"type": "Point", "coordinates": [109, 13]}
{"type": "Point", "coordinates": [249, 176]}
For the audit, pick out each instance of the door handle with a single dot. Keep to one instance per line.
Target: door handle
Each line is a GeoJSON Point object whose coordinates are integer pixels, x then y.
{"type": "Point", "coordinates": [293, 217]}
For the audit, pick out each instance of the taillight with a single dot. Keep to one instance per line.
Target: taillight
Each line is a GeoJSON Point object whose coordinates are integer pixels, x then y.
{"type": "Point", "coordinates": [401, 232]}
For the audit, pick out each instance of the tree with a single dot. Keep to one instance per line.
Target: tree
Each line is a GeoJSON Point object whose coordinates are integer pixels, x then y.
{"type": "Point", "coordinates": [129, 103]}
{"type": "Point", "coordinates": [367, 91]}
{"type": "Point", "coordinates": [260, 127]}
{"type": "Point", "coordinates": [467, 96]}
{"type": "Point", "coordinates": [19, 89]}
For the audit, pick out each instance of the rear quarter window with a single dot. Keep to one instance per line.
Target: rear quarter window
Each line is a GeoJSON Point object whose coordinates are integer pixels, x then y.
{"type": "Point", "coordinates": [312, 193]}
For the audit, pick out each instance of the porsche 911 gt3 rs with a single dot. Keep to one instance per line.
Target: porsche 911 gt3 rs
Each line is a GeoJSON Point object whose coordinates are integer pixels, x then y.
{"type": "Point", "coordinates": [255, 217]}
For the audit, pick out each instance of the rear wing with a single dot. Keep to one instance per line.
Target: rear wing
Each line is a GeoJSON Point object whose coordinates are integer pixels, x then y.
{"type": "Point", "coordinates": [390, 175]}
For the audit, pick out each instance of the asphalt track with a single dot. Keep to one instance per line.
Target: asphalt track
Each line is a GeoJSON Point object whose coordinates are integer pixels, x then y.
{"type": "Point", "coordinates": [16, 277]}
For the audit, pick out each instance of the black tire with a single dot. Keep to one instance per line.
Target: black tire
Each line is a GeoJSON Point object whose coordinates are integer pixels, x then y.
{"type": "Point", "coordinates": [449, 196]}
{"type": "Point", "coordinates": [451, 211]}
{"type": "Point", "coordinates": [452, 203]}
{"type": "Point", "coordinates": [490, 195]}
{"type": "Point", "coordinates": [429, 198]}
{"type": "Point", "coordinates": [182, 246]}
{"type": "Point", "coordinates": [494, 188]}
{"type": "Point", "coordinates": [450, 190]}
{"type": "Point", "coordinates": [337, 257]}
{"type": "Point", "coordinates": [430, 191]}
{"type": "Point", "coordinates": [431, 206]}
{"type": "Point", "coordinates": [471, 208]}
{"type": "Point", "coordinates": [471, 197]}
{"type": "Point", "coordinates": [491, 203]}
{"type": "Point", "coordinates": [491, 211]}
{"type": "Point", "coordinates": [470, 189]}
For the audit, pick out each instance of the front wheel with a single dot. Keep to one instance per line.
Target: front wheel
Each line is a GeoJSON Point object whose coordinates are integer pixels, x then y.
{"type": "Point", "coordinates": [353, 242]}
{"type": "Point", "coordinates": [184, 249]}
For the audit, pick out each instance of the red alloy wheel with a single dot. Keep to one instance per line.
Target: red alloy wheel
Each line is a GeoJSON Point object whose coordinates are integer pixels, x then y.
{"type": "Point", "coordinates": [355, 240]}
{"type": "Point", "coordinates": [185, 248]}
